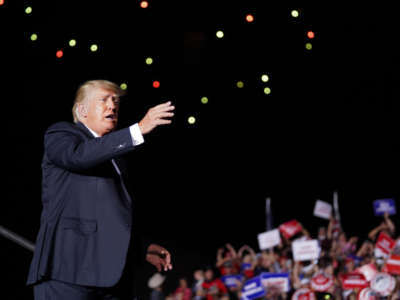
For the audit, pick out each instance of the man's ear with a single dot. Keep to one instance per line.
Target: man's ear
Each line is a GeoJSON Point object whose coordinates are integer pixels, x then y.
{"type": "Point", "coordinates": [82, 110]}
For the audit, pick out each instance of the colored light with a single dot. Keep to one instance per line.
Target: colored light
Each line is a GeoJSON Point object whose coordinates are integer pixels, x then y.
{"type": "Point", "coordinates": [149, 61]}
{"type": "Point", "coordinates": [240, 84]}
{"type": "Point", "coordinates": [220, 34]}
{"type": "Point", "coordinates": [191, 120]}
{"type": "Point", "coordinates": [1, 2]}
{"type": "Point", "coordinates": [59, 53]}
{"type": "Point", "coordinates": [264, 78]}
{"type": "Point", "coordinates": [327, 296]}
{"type": "Point", "coordinates": [94, 48]}
{"type": "Point", "coordinates": [310, 34]}
{"type": "Point", "coordinates": [144, 4]}
{"type": "Point", "coordinates": [156, 84]}
{"type": "Point", "coordinates": [267, 91]}
{"type": "Point", "coordinates": [72, 43]}
{"type": "Point", "coordinates": [308, 46]}
{"type": "Point", "coordinates": [123, 86]}
{"type": "Point", "coordinates": [249, 18]}
{"type": "Point", "coordinates": [28, 10]}
{"type": "Point", "coordinates": [34, 37]}
{"type": "Point", "coordinates": [204, 100]}
{"type": "Point", "coordinates": [295, 13]}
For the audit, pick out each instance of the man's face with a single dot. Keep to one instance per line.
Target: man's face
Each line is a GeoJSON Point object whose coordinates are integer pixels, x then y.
{"type": "Point", "coordinates": [102, 111]}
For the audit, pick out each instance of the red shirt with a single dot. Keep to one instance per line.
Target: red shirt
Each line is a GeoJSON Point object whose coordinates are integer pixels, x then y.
{"type": "Point", "coordinates": [187, 293]}
{"type": "Point", "coordinates": [216, 284]}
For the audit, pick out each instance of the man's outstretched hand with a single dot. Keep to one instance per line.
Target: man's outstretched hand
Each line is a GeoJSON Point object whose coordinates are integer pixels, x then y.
{"type": "Point", "coordinates": [159, 257]}
{"type": "Point", "coordinates": [157, 115]}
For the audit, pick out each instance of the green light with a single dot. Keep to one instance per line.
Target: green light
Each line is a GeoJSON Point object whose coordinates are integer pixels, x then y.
{"type": "Point", "coordinates": [327, 296]}
{"type": "Point", "coordinates": [220, 34]}
{"type": "Point", "coordinates": [204, 100]}
{"type": "Point", "coordinates": [28, 10]}
{"type": "Point", "coordinates": [264, 78]}
{"type": "Point", "coordinates": [267, 91]}
{"type": "Point", "coordinates": [295, 13]}
{"type": "Point", "coordinates": [191, 120]}
{"type": "Point", "coordinates": [94, 48]}
{"type": "Point", "coordinates": [149, 61]}
{"type": "Point", "coordinates": [123, 86]}
{"type": "Point", "coordinates": [240, 84]}
{"type": "Point", "coordinates": [72, 43]}
{"type": "Point", "coordinates": [34, 37]}
{"type": "Point", "coordinates": [308, 46]}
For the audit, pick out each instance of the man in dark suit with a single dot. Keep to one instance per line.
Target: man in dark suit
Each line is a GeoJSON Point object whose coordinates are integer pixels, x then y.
{"type": "Point", "coordinates": [88, 238]}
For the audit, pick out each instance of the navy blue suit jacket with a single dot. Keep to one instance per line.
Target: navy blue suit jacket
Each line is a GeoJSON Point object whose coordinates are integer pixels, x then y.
{"type": "Point", "coordinates": [87, 216]}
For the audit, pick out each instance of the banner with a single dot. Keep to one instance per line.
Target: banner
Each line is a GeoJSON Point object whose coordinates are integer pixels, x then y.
{"type": "Point", "coordinates": [381, 206]}
{"type": "Point", "coordinates": [231, 280]}
{"type": "Point", "coordinates": [253, 289]}
{"type": "Point", "coordinates": [269, 239]}
{"type": "Point", "coordinates": [353, 281]}
{"type": "Point", "coordinates": [290, 228]}
{"type": "Point", "coordinates": [384, 245]}
{"type": "Point", "coordinates": [393, 265]}
{"type": "Point", "coordinates": [322, 209]}
{"type": "Point", "coordinates": [306, 250]}
{"type": "Point", "coordinates": [277, 281]}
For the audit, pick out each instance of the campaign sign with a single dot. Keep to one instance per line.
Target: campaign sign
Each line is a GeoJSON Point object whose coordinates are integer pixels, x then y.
{"type": "Point", "coordinates": [231, 280]}
{"type": "Point", "coordinates": [353, 281]}
{"type": "Point", "coordinates": [381, 206]}
{"type": "Point", "coordinates": [393, 264]}
{"type": "Point", "coordinates": [277, 281]}
{"type": "Point", "coordinates": [322, 209]}
{"type": "Point", "coordinates": [269, 239]}
{"type": "Point", "coordinates": [384, 245]}
{"type": "Point", "coordinates": [290, 228]}
{"type": "Point", "coordinates": [369, 271]}
{"type": "Point", "coordinates": [306, 250]}
{"type": "Point", "coordinates": [253, 289]}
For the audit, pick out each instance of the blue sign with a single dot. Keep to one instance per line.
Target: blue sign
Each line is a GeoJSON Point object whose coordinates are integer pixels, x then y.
{"type": "Point", "coordinates": [382, 206]}
{"type": "Point", "coordinates": [231, 280]}
{"type": "Point", "coordinates": [279, 281]}
{"type": "Point", "coordinates": [253, 289]}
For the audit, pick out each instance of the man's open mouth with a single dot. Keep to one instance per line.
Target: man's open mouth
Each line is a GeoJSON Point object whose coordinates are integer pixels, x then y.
{"type": "Point", "coordinates": [111, 117]}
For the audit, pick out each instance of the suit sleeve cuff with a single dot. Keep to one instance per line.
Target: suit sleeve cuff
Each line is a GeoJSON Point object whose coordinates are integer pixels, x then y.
{"type": "Point", "coordinates": [136, 134]}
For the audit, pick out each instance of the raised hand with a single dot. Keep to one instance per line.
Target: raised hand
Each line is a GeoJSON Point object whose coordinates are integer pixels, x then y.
{"type": "Point", "coordinates": [156, 116]}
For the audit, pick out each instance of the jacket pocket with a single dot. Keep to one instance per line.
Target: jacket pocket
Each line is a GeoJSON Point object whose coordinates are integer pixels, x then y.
{"type": "Point", "coordinates": [82, 226]}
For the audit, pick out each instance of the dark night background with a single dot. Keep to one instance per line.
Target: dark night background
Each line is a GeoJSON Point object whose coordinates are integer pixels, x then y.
{"type": "Point", "coordinates": [330, 123]}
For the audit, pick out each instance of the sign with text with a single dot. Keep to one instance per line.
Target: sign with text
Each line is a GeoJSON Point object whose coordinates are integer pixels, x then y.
{"type": "Point", "coordinates": [353, 281]}
{"type": "Point", "coordinates": [306, 250]}
{"type": "Point", "coordinates": [382, 206]}
{"type": "Point", "coordinates": [276, 281]}
{"type": "Point", "coordinates": [322, 209]}
{"type": "Point", "coordinates": [368, 270]}
{"type": "Point", "coordinates": [232, 280]}
{"type": "Point", "coordinates": [392, 265]}
{"type": "Point", "coordinates": [253, 289]}
{"type": "Point", "coordinates": [384, 245]}
{"type": "Point", "coordinates": [269, 239]}
{"type": "Point", "coordinates": [290, 228]}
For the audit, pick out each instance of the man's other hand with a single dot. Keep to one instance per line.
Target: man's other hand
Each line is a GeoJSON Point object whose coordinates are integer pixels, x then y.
{"type": "Point", "coordinates": [156, 116]}
{"type": "Point", "coordinates": [159, 257]}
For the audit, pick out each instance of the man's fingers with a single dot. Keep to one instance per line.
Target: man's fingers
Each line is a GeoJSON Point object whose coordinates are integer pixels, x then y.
{"type": "Point", "coordinates": [163, 122]}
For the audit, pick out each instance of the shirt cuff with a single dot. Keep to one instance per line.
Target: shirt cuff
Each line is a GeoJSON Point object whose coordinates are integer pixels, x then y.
{"type": "Point", "coordinates": [136, 134]}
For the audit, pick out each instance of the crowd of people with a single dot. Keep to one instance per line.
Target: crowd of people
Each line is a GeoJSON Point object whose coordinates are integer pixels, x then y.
{"type": "Point", "coordinates": [347, 268]}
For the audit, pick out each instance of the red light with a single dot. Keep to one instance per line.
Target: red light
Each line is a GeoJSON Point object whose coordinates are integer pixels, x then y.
{"type": "Point", "coordinates": [59, 53]}
{"type": "Point", "coordinates": [156, 84]}
{"type": "Point", "coordinates": [249, 18]}
{"type": "Point", "coordinates": [144, 4]}
{"type": "Point", "coordinates": [310, 34]}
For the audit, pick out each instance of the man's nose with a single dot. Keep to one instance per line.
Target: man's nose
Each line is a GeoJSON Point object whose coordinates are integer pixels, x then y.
{"type": "Point", "coordinates": [111, 104]}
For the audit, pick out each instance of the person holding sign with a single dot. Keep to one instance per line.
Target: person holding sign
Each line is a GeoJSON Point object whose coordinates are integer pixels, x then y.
{"type": "Point", "coordinates": [386, 226]}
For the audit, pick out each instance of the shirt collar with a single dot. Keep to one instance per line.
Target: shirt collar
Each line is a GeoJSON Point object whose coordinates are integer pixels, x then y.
{"type": "Point", "coordinates": [92, 132]}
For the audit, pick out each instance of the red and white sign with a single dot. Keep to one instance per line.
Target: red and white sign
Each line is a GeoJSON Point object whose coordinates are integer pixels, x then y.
{"type": "Point", "coordinates": [367, 294]}
{"type": "Point", "coordinates": [322, 209]}
{"type": "Point", "coordinates": [269, 239]}
{"type": "Point", "coordinates": [393, 264]}
{"type": "Point", "coordinates": [384, 245]}
{"type": "Point", "coordinates": [383, 284]}
{"type": "Point", "coordinates": [303, 294]}
{"type": "Point", "coordinates": [369, 271]}
{"type": "Point", "coordinates": [306, 250]}
{"type": "Point", "coordinates": [353, 281]}
{"type": "Point", "coordinates": [321, 282]}
{"type": "Point", "coordinates": [290, 228]}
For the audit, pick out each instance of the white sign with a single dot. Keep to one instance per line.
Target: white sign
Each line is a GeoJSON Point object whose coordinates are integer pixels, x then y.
{"type": "Point", "coordinates": [269, 239]}
{"type": "Point", "coordinates": [322, 209]}
{"type": "Point", "coordinates": [306, 250]}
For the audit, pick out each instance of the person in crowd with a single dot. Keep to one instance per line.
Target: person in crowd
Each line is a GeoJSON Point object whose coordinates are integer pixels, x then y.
{"type": "Point", "coordinates": [213, 288]}
{"type": "Point", "coordinates": [183, 292]}
{"type": "Point", "coordinates": [155, 283]}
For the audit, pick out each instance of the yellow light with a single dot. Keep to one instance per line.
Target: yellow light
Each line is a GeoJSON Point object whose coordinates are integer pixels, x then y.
{"type": "Point", "coordinates": [204, 100]}
{"type": "Point", "coordinates": [240, 84]}
{"type": "Point", "coordinates": [149, 61]}
{"type": "Point", "coordinates": [72, 43]}
{"type": "Point", "coordinates": [123, 86]}
{"type": "Point", "coordinates": [264, 78]}
{"type": "Point", "coordinates": [220, 34]}
{"type": "Point", "coordinates": [267, 91]}
{"type": "Point", "coordinates": [94, 48]}
{"type": "Point", "coordinates": [295, 13]}
{"type": "Point", "coordinates": [28, 10]}
{"type": "Point", "coordinates": [34, 37]}
{"type": "Point", "coordinates": [191, 120]}
{"type": "Point", "coordinates": [308, 46]}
